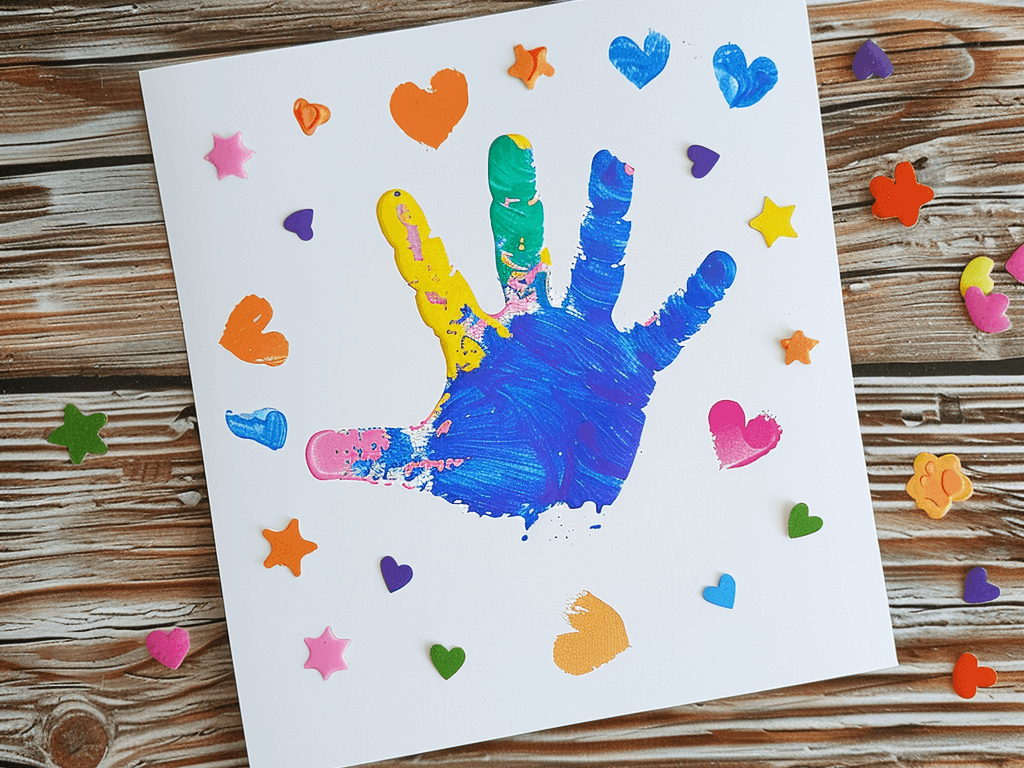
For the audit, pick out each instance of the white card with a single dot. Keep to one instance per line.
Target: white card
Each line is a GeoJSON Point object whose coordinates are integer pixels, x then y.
{"type": "Point", "coordinates": [452, 422]}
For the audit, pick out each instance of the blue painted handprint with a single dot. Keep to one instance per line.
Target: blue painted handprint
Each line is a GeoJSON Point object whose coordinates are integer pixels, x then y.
{"type": "Point", "coordinates": [543, 403]}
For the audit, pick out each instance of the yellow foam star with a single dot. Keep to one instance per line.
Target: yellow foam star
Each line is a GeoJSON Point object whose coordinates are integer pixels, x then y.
{"type": "Point", "coordinates": [773, 221]}
{"type": "Point", "coordinates": [798, 347]}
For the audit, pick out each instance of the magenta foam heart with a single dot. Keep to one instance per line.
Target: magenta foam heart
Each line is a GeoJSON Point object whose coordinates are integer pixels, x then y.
{"type": "Point", "coordinates": [704, 160]}
{"type": "Point", "coordinates": [395, 576]}
{"type": "Point", "coordinates": [737, 441]}
{"type": "Point", "coordinates": [977, 588]}
{"type": "Point", "coordinates": [871, 60]}
{"type": "Point", "coordinates": [1015, 265]}
{"type": "Point", "coordinates": [988, 312]}
{"type": "Point", "coordinates": [301, 223]}
{"type": "Point", "coordinates": [169, 648]}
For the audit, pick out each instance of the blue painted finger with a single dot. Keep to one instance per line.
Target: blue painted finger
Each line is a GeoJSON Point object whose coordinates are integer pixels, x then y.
{"type": "Point", "coordinates": [598, 272]}
{"type": "Point", "coordinates": [658, 341]}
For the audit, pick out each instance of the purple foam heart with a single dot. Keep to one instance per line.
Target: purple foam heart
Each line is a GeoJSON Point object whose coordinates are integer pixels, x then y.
{"type": "Point", "coordinates": [704, 160]}
{"type": "Point", "coordinates": [871, 60]}
{"type": "Point", "coordinates": [395, 576]}
{"type": "Point", "coordinates": [301, 223]}
{"type": "Point", "coordinates": [977, 588]}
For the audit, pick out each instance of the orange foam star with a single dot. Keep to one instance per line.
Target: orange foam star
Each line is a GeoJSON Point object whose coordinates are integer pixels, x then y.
{"type": "Point", "coordinates": [287, 547]}
{"type": "Point", "coordinates": [530, 65]}
{"type": "Point", "coordinates": [900, 197]}
{"type": "Point", "coordinates": [798, 347]}
{"type": "Point", "coordinates": [937, 483]}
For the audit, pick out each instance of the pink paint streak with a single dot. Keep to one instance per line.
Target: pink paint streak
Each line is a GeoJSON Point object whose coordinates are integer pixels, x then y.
{"type": "Point", "coordinates": [435, 298]}
{"type": "Point", "coordinates": [437, 464]}
{"type": "Point", "coordinates": [412, 233]}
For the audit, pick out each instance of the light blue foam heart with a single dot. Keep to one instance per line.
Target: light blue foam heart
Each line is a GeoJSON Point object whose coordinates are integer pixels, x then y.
{"type": "Point", "coordinates": [640, 66]}
{"type": "Point", "coordinates": [724, 594]}
{"type": "Point", "coordinates": [741, 85]}
{"type": "Point", "coordinates": [267, 426]}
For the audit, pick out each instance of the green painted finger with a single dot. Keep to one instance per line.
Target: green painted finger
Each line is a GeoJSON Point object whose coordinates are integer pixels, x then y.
{"type": "Point", "coordinates": [517, 215]}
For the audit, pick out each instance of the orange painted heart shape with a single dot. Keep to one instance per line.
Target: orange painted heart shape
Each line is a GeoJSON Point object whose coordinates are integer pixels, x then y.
{"type": "Point", "coordinates": [968, 676]}
{"type": "Point", "coordinates": [429, 116]}
{"type": "Point", "coordinates": [244, 335]}
{"type": "Point", "coordinates": [310, 116]}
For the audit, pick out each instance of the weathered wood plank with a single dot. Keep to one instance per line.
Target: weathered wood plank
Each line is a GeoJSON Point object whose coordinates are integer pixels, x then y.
{"type": "Point", "coordinates": [94, 557]}
{"type": "Point", "coordinates": [79, 30]}
{"type": "Point", "coordinates": [86, 284]}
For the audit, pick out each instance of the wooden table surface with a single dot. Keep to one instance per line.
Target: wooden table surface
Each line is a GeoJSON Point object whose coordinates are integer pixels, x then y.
{"type": "Point", "coordinates": [93, 557]}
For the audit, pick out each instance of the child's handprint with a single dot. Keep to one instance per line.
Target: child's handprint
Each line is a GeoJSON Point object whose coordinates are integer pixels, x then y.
{"type": "Point", "coordinates": [543, 403]}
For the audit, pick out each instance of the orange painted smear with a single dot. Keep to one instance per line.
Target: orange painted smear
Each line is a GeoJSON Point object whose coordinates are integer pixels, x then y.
{"type": "Point", "coordinates": [244, 337]}
{"type": "Point", "coordinates": [429, 116]}
{"type": "Point", "coordinates": [600, 636]}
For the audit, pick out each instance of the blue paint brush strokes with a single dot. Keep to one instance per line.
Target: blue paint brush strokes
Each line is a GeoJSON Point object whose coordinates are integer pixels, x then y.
{"type": "Point", "coordinates": [267, 426]}
{"type": "Point", "coordinates": [741, 85]}
{"type": "Point", "coordinates": [640, 66]}
{"type": "Point", "coordinates": [555, 411]}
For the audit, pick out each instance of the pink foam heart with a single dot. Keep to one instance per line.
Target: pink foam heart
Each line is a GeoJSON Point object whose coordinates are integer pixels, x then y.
{"type": "Point", "coordinates": [169, 648]}
{"type": "Point", "coordinates": [1015, 264]}
{"type": "Point", "coordinates": [738, 441]}
{"type": "Point", "coordinates": [987, 312]}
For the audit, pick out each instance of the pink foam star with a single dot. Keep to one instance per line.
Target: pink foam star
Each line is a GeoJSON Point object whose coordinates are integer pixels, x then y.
{"type": "Point", "coordinates": [326, 653]}
{"type": "Point", "coordinates": [229, 156]}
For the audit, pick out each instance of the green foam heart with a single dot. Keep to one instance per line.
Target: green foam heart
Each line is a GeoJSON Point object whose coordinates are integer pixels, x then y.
{"type": "Point", "coordinates": [801, 523]}
{"type": "Point", "coordinates": [446, 662]}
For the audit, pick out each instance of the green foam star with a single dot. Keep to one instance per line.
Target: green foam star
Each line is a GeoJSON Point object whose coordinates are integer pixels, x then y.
{"type": "Point", "coordinates": [80, 434]}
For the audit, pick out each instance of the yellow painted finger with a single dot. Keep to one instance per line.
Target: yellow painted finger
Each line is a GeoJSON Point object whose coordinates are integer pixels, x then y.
{"type": "Point", "coordinates": [443, 297]}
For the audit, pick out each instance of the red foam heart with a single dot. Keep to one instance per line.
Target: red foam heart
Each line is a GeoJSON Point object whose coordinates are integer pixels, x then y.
{"type": "Point", "coordinates": [738, 441]}
{"type": "Point", "coordinates": [968, 676]}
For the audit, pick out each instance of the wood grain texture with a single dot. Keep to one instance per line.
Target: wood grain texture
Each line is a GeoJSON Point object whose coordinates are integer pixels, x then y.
{"type": "Point", "coordinates": [85, 255]}
{"type": "Point", "coordinates": [96, 556]}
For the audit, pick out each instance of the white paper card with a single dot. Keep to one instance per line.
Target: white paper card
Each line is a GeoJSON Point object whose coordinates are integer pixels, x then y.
{"type": "Point", "coordinates": [528, 402]}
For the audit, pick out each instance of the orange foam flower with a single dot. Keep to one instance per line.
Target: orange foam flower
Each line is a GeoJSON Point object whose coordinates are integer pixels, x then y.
{"type": "Point", "coordinates": [937, 483]}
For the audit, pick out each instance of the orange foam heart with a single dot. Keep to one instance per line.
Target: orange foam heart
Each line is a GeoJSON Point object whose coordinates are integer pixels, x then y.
{"type": "Point", "coordinates": [244, 337]}
{"type": "Point", "coordinates": [429, 116]}
{"type": "Point", "coordinates": [310, 116]}
{"type": "Point", "coordinates": [968, 676]}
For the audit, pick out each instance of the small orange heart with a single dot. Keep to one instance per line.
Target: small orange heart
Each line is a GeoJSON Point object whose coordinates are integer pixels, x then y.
{"type": "Point", "coordinates": [310, 116]}
{"type": "Point", "coordinates": [968, 676]}
{"type": "Point", "coordinates": [244, 337]}
{"type": "Point", "coordinates": [429, 116]}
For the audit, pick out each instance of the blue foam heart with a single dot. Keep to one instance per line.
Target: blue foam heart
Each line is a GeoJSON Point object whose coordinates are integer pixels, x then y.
{"type": "Point", "coordinates": [724, 594]}
{"type": "Point", "coordinates": [267, 426]}
{"type": "Point", "coordinates": [741, 85]}
{"type": "Point", "coordinates": [640, 66]}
